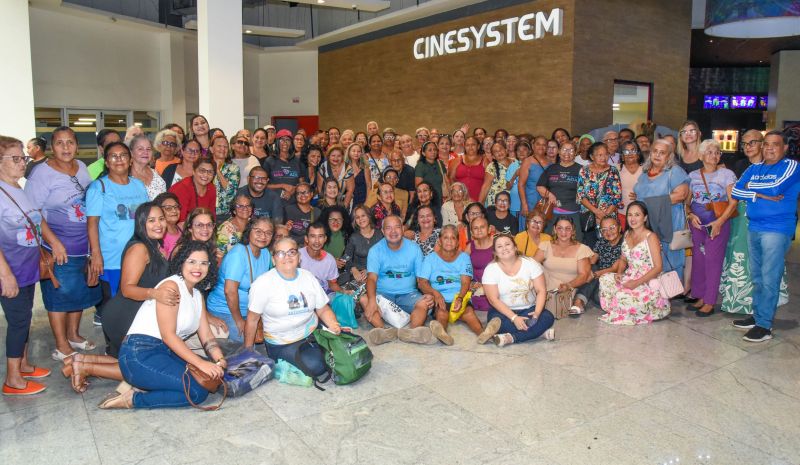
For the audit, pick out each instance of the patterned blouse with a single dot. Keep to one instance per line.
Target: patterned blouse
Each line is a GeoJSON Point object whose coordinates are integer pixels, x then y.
{"type": "Point", "coordinates": [498, 184]}
{"type": "Point", "coordinates": [379, 212]}
{"type": "Point", "coordinates": [227, 236]}
{"type": "Point", "coordinates": [225, 196]}
{"type": "Point", "coordinates": [607, 252]}
{"type": "Point", "coordinates": [428, 244]}
{"type": "Point", "coordinates": [156, 186]}
{"type": "Point", "coordinates": [600, 189]}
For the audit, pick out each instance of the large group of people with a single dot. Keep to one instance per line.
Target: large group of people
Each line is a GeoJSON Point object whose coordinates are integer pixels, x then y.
{"type": "Point", "coordinates": [200, 235]}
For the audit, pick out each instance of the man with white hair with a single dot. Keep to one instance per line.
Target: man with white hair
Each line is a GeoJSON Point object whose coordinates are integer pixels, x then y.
{"type": "Point", "coordinates": [611, 139]}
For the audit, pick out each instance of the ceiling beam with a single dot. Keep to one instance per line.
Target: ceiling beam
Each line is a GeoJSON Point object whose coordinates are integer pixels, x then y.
{"type": "Point", "coordinates": [372, 6]}
{"type": "Point", "coordinates": [254, 30]}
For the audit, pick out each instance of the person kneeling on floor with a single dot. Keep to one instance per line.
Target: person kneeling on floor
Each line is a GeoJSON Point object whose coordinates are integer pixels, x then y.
{"type": "Point", "coordinates": [392, 266]}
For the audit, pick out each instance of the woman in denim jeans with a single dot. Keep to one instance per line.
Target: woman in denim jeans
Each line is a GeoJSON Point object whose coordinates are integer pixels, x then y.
{"type": "Point", "coordinates": [154, 355]}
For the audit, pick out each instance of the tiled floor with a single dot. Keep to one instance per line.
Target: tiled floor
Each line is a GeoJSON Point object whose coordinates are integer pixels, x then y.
{"type": "Point", "coordinates": [681, 391]}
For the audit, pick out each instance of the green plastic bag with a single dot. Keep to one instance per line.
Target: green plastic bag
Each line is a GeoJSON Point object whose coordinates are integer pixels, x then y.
{"type": "Point", "coordinates": [347, 355]}
{"type": "Point", "coordinates": [287, 373]}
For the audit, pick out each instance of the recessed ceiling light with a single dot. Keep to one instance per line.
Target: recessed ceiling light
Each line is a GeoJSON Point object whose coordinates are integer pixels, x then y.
{"type": "Point", "coordinates": [710, 41]}
{"type": "Point", "coordinates": [320, 1]}
{"type": "Point", "coordinates": [248, 31]}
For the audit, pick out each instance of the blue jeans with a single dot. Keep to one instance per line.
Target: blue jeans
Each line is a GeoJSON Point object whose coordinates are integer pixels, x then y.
{"type": "Point", "coordinates": [312, 359]}
{"type": "Point", "coordinates": [545, 321]}
{"type": "Point", "coordinates": [767, 262]}
{"type": "Point", "coordinates": [18, 312]}
{"type": "Point", "coordinates": [147, 363]}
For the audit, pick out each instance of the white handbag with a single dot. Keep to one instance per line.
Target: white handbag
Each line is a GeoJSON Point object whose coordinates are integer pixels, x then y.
{"type": "Point", "coordinates": [392, 313]}
{"type": "Point", "coordinates": [681, 240]}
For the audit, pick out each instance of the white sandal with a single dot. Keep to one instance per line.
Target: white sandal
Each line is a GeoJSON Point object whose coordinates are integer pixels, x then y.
{"type": "Point", "coordinates": [575, 311]}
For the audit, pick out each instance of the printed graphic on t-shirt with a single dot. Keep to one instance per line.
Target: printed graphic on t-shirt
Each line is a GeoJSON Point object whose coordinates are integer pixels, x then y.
{"type": "Point", "coordinates": [126, 212]}
{"type": "Point", "coordinates": [76, 213]}
{"type": "Point", "coordinates": [297, 304]}
{"type": "Point", "coordinates": [442, 280]}
{"type": "Point", "coordinates": [396, 274]}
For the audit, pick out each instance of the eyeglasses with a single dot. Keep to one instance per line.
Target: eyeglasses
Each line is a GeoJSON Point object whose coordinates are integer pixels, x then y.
{"type": "Point", "coordinates": [77, 184]}
{"type": "Point", "coordinates": [608, 229]}
{"type": "Point", "coordinates": [262, 232]}
{"type": "Point", "coordinates": [611, 139]}
{"type": "Point", "coordinates": [568, 151]}
{"type": "Point", "coordinates": [192, 151]}
{"type": "Point", "coordinates": [243, 207]}
{"type": "Point", "coordinates": [203, 225]}
{"type": "Point", "coordinates": [242, 142]}
{"type": "Point", "coordinates": [258, 178]}
{"type": "Point", "coordinates": [204, 171]}
{"type": "Point", "coordinates": [503, 200]}
{"type": "Point", "coordinates": [539, 222]}
{"type": "Point", "coordinates": [193, 262]}
{"type": "Point", "coordinates": [752, 143]}
{"type": "Point", "coordinates": [688, 131]}
{"type": "Point", "coordinates": [119, 157]}
{"type": "Point", "coordinates": [281, 254]}
{"type": "Point", "coordinates": [389, 136]}
{"type": "Point", "coordinates": [630, 152]}
{"type": "Point", "coordinates": [166, 143]}
{"type": "Point", "coordinates": [170, 207]}
{"type": "Point", "coordinates": [334, 220]}
{"type": "Point", "coordinates": [303, 192]}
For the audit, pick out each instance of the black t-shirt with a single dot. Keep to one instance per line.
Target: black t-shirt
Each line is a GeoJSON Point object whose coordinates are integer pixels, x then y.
{"type": "Point", "coordinates": [407, 179]}
{"type": "Point", "coordinates": [283, 172]}
{"type": "Point", "coordinates": [507, 225]}
{"type": "Point", "coordinates": [563, 183]}
{"type": "Point", "coordinates": [269, 205]}
{"type": "Point", "coordinates": [34, 164]}
{"type": "Point", "coordinates": [300, 220]}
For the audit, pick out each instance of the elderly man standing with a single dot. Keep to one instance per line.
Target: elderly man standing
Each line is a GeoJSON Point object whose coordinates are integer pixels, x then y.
{"type": "Point", "coordinates": [770, 189]}
{"type": "Point", "coordinates": [611, 139]}
{"type": "Point", "coordinates": [392, 266]}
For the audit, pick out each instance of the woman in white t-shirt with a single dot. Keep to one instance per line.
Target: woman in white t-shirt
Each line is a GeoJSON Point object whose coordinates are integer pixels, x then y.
{"type": "Point", "coordinates": [290, 302]}
{"type": "Point", "coordinates": [153, 356]}
{"type": "Point", "coordinates": [515, 288]}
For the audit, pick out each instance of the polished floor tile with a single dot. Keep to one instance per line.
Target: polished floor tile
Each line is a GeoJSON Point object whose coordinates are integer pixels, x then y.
{"type": "Point", "coordinates": [685, 389]}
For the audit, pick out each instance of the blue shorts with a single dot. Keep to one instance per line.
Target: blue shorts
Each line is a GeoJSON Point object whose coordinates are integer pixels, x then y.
{"type": "Point", "coordinates": [112, 277]}
{"type": "Point", "coordinates": [404, 301]}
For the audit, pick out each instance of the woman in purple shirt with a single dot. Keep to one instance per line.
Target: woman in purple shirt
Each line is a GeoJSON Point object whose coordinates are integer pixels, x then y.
{"type": "Point", "coordinates": [58, 188]}
{"type": "Point", "coordinates": [22, 229]}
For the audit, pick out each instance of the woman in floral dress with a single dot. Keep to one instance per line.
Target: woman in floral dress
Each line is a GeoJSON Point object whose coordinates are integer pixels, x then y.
{"type": "Point", "coordinates": [626, 296]}
{"type": "Point", "coordinates": [599, 192]}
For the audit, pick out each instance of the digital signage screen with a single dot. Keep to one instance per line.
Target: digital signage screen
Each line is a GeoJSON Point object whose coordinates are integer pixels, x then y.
{"type": "Point", "coordinates": [743, 101]}
{"type": "Point", "coordinates": [716, 102]}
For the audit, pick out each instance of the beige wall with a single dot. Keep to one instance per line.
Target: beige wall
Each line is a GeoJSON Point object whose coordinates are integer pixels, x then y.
{"type": "Point", "coordinates": [524, 87]}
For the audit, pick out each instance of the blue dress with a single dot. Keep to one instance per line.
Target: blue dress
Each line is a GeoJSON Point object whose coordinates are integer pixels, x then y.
{"type": "Point", "coordinates": [664, 184]}
{"type": "Point", "coordinates": [531, 194]}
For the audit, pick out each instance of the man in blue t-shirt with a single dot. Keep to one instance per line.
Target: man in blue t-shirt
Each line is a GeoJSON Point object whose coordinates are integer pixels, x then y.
{"type": "Point", "coordinates": [770, 189]}
{"type": "Point", "coordinates": [392, 266]}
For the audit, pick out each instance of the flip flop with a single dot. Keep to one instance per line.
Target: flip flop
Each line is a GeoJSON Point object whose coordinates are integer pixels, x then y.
{"type": "Point", "coordinates": [59, 357]}
{"type": "Point", "coordinates": [85, 345]}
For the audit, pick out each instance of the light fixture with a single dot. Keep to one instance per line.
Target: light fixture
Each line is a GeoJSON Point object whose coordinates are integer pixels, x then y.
{"type": "Point", "coordinates": [258, 30]}
{"type": "Point", "coordinates": [751, 19]}
{"type": "Point", "coordinates": [138, 125]}
{"type": "Point", "coordinates": [372, 6]}
{"type": "Point", "coordinates": [90, 120]}
{"type": "Point", "coordinates": [83, 123]}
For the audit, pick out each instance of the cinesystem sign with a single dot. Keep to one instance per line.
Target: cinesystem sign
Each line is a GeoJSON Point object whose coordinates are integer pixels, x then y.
{"type": "Point", "coordinates": [527, 27]}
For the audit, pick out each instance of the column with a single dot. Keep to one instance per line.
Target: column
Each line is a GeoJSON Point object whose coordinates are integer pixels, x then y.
{"type": "Point", "coordinates": [784, 100]}
{"type": "Point", "coordinates": [173, 81]}
{"type": "Point", "coordinates": [16, 79]}
{"type": "Point", "coordinates": [219, 61]}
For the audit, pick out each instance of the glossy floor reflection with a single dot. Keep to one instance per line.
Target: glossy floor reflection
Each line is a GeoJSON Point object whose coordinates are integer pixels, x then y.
{"type": "Point", "coordinates": [685, 390]}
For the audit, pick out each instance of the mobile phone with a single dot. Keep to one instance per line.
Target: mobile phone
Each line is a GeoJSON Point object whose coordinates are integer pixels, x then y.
{"type": "Point", "coordinates": [708, 230]}
{"type": "Point", "coordinates": [531, 321]}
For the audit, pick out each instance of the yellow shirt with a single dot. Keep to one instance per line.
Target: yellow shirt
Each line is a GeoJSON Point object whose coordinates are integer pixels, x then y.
{"type": "Point", "coordinates": [526, 246]}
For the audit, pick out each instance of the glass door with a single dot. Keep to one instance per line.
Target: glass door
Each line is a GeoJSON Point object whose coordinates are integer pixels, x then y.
{"type": "Point", "coordinates": [85, 123]}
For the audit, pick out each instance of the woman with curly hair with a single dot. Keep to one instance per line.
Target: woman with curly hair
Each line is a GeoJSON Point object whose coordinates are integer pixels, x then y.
{"type": "Point", "coordinates": [153, 356]}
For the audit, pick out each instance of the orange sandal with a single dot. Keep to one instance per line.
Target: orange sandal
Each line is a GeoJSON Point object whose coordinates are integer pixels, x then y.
{"type": "Point", "coordinates": [38, 372]}
{"type": "Point", "coordinates": [31, 387]}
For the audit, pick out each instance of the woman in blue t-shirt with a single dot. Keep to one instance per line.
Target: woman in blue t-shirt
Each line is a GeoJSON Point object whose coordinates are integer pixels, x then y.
{"type": "Point", "coordinates": [245, 262]}
{"type": "Point", "coordinates": [111, 203]}
{"type": "Point", "coordinates": [446, 275]}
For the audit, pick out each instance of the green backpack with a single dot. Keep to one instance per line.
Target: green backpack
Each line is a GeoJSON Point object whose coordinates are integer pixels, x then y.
{"type": "Point", "coordinates": [347, 355]}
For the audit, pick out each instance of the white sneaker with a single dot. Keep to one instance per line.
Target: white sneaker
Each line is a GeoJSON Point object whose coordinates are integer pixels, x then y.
{"type": "Point", "coordinates": [504, 339]}
{"type": "Point", "coordinates": [550, 334]}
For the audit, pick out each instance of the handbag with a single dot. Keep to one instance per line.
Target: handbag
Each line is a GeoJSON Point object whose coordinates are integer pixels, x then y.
{"type": "Point", "coordinates": [208, 383]}
{"type": "Point", "coordinates": [445, 186]}
{"type": "Point", "coordinates": [667, 284]}
{"type": "Point", "coordinates": [247, 370]}
{"type": "Point", "coordinates": [717, 207]}
{"type": "Point", "coordinates": [259, 325]}
{"type": "Point", "coordinates": [681, 240]}
{"type": "Point", "coordinates": [559, 302]}
{"type": "Point", "coordinates": [46, 263]}
{"type": "Point", "coordinates": [545, 208]}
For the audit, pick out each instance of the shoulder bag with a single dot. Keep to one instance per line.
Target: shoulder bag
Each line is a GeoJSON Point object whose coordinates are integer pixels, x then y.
{"type": "Point", "coordinates": [259, 325]}
{"type": "Point", "coordinates": [717, 207]}
{"type": "Point", "coordinates": [681, 239]}
{"type": "Point", "coordinates": [208, 383]}
{"type": "Point", "coordinates": [46, 262]}
{"type": "Point", "coordinates": [667, 284]}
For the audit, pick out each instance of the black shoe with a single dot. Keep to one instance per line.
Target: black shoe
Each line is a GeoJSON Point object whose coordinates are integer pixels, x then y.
{"type": "Point", "coordinates": [689, 299]}
{"type": "Point", "coordinates": [700, 314]}
{"type": "Point", "coordinates": [758, 334]}
{"type": "Point", "coordinates": [747, 323]}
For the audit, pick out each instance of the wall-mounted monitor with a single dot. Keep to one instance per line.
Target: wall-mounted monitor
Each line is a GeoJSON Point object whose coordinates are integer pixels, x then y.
{"type": "Point", "coordinates": [716, 102]}
{"type": "Point", "coordinates": [743, 101]}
